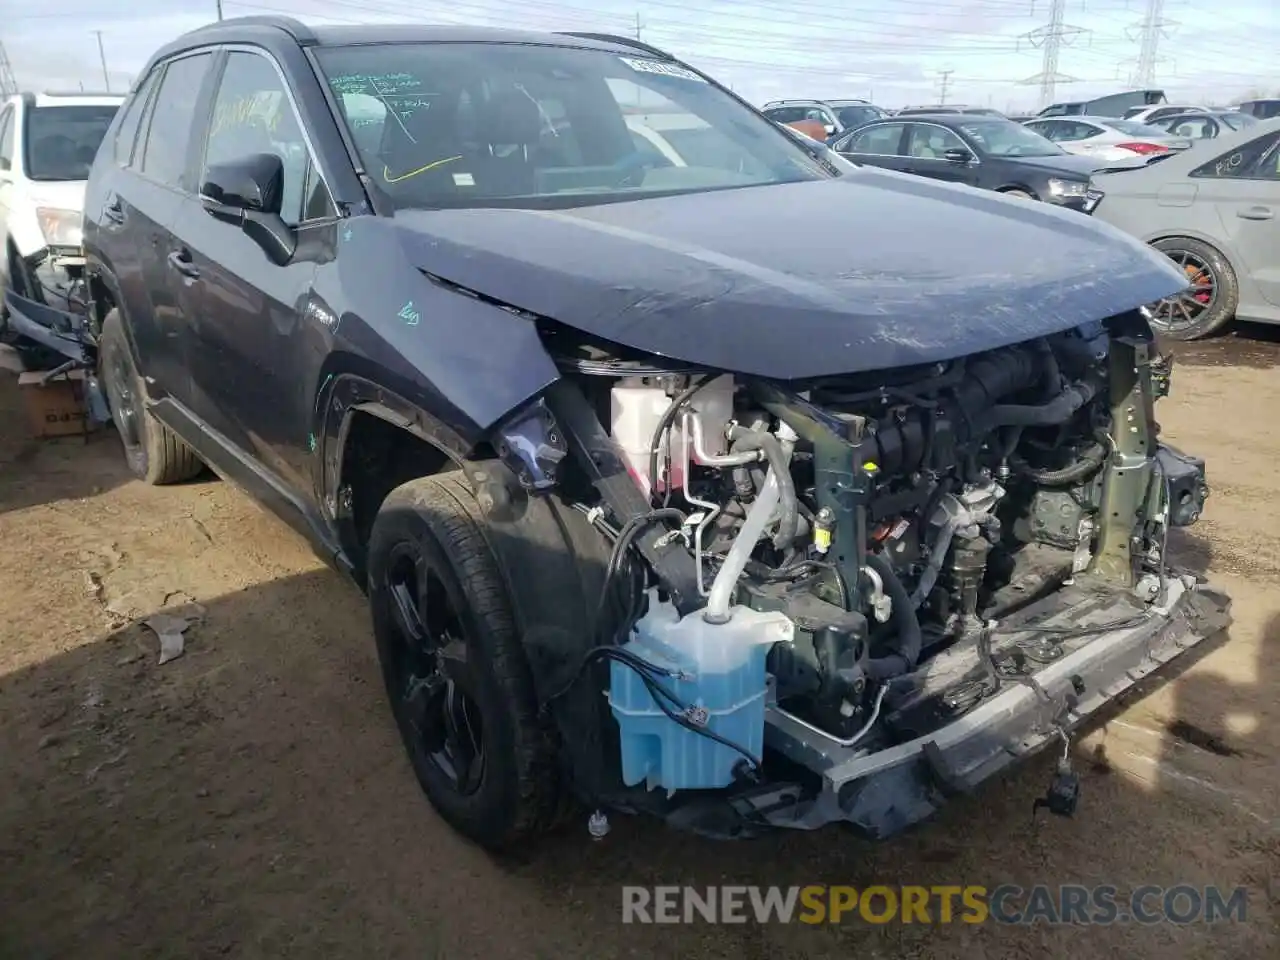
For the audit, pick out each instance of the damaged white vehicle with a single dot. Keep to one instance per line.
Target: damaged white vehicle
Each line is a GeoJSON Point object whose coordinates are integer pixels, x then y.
{"type": "Point", "coordinates": [48, 142]}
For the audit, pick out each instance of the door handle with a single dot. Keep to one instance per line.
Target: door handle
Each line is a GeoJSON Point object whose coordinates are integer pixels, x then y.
{"type": "Point", "coordinates": [180, 260]}
{"type": "Point", "coordinates": [1255, 213]}
{"type": "Point", "coordinates": [113, 211]}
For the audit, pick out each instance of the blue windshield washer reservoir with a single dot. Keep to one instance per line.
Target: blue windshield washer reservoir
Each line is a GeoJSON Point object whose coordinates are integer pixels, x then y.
{"type": "Point", "coordinates": [722, 681]}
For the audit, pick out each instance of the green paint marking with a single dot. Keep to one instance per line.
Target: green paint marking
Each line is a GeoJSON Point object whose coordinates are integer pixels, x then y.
{"type": "Point", "coordinates": [409, 315]}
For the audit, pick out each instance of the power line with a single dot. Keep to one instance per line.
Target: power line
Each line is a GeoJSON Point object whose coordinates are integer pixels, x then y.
{"type": "Point", "coordinates": [1052, 37]}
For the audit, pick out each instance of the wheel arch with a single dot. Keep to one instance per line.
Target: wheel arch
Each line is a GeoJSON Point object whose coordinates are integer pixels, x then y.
{"type": "Point", "coordinates": [1228, 252]}
{"type": "Point", "coordinates": [551, 558]}
{"type": "Point", "coordinates": [1020, 187]}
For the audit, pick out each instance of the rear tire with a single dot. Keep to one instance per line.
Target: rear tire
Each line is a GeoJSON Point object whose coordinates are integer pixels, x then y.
{"type": "Point", "coordinates": [155, 454]}
{"type": "Point", "coordinates": [1189, 316]}
{"type": "Point", "coordinates": [454, 667]}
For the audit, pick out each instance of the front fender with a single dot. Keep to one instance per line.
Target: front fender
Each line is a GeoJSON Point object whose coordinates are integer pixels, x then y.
{"type": "Point", "coordinates": [466, 361]}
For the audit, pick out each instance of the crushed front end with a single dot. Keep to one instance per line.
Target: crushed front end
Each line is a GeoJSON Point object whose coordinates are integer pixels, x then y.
{"type": "Point", "coordinates": [847, 599]}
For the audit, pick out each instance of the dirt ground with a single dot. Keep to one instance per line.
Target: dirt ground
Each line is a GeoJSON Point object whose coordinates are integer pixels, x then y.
{"type": "Point", "coordinates": [250, 799]}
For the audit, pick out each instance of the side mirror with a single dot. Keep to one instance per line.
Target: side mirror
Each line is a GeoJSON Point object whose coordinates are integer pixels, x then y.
{"type": "Point", "coordinates": [248, 192]}
{"type": "Point", "coordinates": [957, 155]}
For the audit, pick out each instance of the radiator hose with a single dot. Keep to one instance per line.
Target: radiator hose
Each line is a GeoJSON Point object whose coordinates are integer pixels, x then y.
{"type": "Point", "coordinates": [910, 641]}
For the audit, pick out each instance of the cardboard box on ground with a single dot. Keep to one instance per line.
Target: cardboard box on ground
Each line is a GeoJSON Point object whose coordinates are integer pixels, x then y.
{"type": "Point", "coordinates": [56, 408]}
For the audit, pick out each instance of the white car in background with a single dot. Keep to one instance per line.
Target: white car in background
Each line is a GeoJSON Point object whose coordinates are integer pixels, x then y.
{"type": "Point", "coordinates": [1106, 138]}
{"type": "Point", "coordinates": [48, 143]}
{"type": "Point", "coordinates": [1159, 110]}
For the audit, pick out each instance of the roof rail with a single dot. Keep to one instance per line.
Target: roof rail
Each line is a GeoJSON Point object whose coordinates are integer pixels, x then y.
{"type": "Point", "coordinates": [295, 28]}
{"type": "Point", "coordinates": [81, 93]}
{"type": "Point", "coordinates": [620, 40]}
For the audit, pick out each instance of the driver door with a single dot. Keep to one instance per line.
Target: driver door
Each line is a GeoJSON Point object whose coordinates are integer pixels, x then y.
{"type": "Point", "coordinates": [253, 352]}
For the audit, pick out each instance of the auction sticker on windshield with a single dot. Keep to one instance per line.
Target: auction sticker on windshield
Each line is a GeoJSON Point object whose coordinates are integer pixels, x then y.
{"type": "Point", "coordinates": [662, 69]}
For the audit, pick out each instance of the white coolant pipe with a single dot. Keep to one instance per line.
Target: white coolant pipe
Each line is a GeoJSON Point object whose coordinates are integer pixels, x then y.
{"type": "Point", "coordinates": [717, 610]}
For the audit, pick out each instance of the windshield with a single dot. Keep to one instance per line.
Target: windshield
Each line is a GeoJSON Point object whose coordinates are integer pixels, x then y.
{"type": "Point", "coordinates": [516, 125]}
{"type": "Point", "coordinates": [61, 142]}
{"type": "Point", "coordinates": [1132, 128]}
{"type": "Point", "coordinates": [1004, 138]}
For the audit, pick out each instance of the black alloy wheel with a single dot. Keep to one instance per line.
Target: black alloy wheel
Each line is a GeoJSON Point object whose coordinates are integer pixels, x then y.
{"type": "Point", "coordinates": [428, 674]}
{"type": "Point", "coordinates": [455, 667]}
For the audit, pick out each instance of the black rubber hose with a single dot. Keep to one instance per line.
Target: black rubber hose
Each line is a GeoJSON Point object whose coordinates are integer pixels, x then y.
{"type": "Point", "coordinates": [743, 439]}
{"type": "Point", "coordinates": [1058, 410]}
{"type": "Point", "coordinates": [1090, 462]}
{"type": "Point", "coordinates": [910, 639]}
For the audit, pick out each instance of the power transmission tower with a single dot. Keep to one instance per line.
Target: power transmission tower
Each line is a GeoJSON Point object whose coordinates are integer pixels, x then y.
{"type": "Point", "coordinates": [944, 86]}
{"type": "Point", "coordinates": [1151, 29]}
{"type": "Point", "coordinates": [102, 55]}
{"type": "Point", "coordinates": [8, 85]}
{"type": "Point", "coordinates": [1052, 37]}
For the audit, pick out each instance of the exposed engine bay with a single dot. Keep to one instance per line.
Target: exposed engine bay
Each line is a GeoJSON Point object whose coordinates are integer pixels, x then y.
{"type": "Point", "coordinates": [873, 559]}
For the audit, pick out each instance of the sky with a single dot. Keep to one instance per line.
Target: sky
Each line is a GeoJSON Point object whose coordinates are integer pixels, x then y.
{"type": "Point", "coordinates": [893, 52]}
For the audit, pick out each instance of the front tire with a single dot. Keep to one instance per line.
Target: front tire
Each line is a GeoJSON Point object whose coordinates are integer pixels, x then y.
{"type": "Point", "coordinates": [1212, 299]}
{"type": "Point", "coordinates": [454, 667]}
{"type": "Point", "coordinates": [155, 454]}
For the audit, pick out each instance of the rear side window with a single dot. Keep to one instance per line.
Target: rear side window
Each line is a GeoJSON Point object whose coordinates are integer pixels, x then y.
{"type": "Point", "coordinates": [1256, 160]}
{"type": "Point", "coordinates": [127, 132]}
{"type": "Point", "coordinates": [6, 139]}
{"type": "Point", "coordinates": [164, 154]}
{"type": "Point", "coordinates": [877, 141]}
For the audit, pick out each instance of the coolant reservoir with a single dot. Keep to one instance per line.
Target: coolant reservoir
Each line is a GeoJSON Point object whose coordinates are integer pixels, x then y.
{"type": "Point", "coordinates": [637, 405]}
{"type": "Point", "coordinates": [724, 690]}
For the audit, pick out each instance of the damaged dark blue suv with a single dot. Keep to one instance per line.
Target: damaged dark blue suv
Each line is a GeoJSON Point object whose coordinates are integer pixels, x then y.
{"type": "Point", "coordinates": [687, 469]}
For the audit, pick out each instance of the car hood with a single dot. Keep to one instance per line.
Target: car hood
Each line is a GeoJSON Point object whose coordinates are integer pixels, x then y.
{"type": "Point", "coordinates": [63, 194]}
{"type": "Point", "coordinates": [869, 271]}
{"type": "Point", "coordinates": [1069, 164]}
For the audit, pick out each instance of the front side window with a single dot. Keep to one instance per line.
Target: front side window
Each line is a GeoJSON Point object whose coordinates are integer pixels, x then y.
{"type": "Point", "coordinates": [252, 114]}
{"type": "Point", "coordinates": [168, 137]}
{"type": "Point", "coordinates": [1194, 128]}
{"type": "Point", "coordinates": [880, 141]}
{"type": "Point", "coordinates": [1004, 138]}
{"type": "Point", "coordinates": [472, 124]}
{"type": "Point", "coordinates": [929, 142]}
{"type": "Point", "coordinates": [59, 143]}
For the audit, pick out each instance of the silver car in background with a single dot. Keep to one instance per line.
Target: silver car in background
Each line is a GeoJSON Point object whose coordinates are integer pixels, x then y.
{"type": "Point", "coordinates": [1215, 211]}
{"type": "Point", "coordinates": [1107, 138]}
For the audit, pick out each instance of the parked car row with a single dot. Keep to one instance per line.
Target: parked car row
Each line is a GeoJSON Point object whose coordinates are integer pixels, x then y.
{"type": "Point", "coordinates": [1212, 209]}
